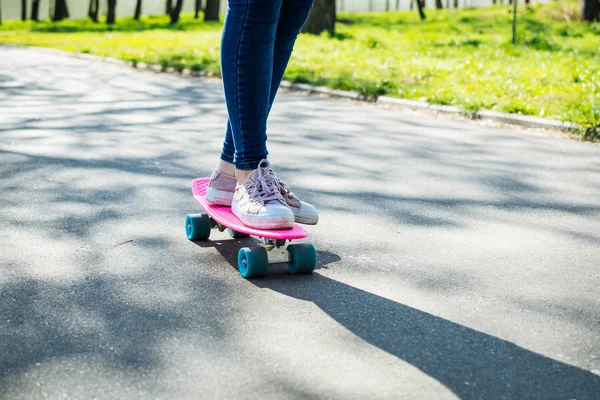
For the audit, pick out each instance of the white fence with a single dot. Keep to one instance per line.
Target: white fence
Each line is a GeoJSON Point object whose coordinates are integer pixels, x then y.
{"type": "Point", "coordinates": [11, 9]}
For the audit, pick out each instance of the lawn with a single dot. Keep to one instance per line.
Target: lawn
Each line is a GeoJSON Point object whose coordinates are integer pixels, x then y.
{"type": "Point", "coordinates": [456, 57]}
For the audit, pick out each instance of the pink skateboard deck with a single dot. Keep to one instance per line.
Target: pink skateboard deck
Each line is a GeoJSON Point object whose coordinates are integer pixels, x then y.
{"type": "Point", "coordinates": [224, 216]}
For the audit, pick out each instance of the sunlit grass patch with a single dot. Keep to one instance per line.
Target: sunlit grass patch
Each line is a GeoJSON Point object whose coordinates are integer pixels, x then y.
{"type": "Point", "coordinates": [455, 57]}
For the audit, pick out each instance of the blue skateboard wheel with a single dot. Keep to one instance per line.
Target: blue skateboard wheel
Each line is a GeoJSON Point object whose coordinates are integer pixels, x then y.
{"type": "Point", "coordinates": [197, 226]}
{"type": "Point", "coordinates": [253, 262]}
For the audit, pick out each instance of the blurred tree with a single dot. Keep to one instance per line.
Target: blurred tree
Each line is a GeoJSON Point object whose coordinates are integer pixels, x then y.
{"type": "Point", "coordinates": [321, 18]}
{"type": "Point", "coordinates": [421, 6]}
{"type": "Point", "coordinates": [168, 7]}
{"type": "Point", "coordinates": [514, 22]}
{"type": "Point", "coordinates": [590, 10]}
{"type": "Point", "coordinates": [23, 10]}
{"type": "Point", "coordinates": [211, 12]}
{"type": "Point", "coordinates": [60, 10]}
{"type": "Point", "coordinates": [176, 11]}
{"type": "Point", "coordinates": [0, 12]}
{"type": "Point", "coordinates": [438, 4]}
{"type": "Point", "coordinates": [197, 8]}
{"type": "Point", "coordinates": [93, 10]}
{"type": "Point", "coordinates": [35, 8]}
{"type": "Point", "coordinates": [111, 14]}
{"type": "Point", "coordinates": [138, 10]}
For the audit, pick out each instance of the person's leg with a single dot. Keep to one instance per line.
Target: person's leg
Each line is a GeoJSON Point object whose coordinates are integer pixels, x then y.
{"type": "Point", "coordinates": [247, 51]}
{"type": "Point", "coordinates": [292, 16]}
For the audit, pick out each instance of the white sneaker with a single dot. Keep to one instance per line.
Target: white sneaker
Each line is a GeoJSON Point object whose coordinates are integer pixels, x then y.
{"type": "Point", "coordinates": [220, 188]}
{"type": "Point", "coordinates": [304, 213]}
{"type": "Point", "coordinates": [258, 202]}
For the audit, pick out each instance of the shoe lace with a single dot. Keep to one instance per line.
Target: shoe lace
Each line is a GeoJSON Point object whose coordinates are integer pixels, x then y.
{"type": "Point", "coordinates": [265, 187]}
{"type": "Point", "coordinates": [283, 187]}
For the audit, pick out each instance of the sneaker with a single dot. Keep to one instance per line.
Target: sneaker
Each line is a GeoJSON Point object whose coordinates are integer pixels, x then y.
{"type": "Point", "coordinates": [304, 213]}
{"type": "Point", "coordinates": [220, 188]}
{"type": "Point", "coordinates": [258, 202]}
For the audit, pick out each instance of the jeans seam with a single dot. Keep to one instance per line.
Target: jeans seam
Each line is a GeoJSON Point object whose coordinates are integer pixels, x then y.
{"type": "Point", "coordinates": [237, 73]}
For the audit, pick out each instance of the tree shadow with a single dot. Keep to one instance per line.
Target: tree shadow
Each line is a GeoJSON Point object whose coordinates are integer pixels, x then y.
{"type": "Point", "coordinates": [88, 147]}
{"type": "Point", "coordinates": [43, 321]}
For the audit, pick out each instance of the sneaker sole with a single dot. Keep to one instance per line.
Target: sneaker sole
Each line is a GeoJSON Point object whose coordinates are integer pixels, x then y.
{"type": "Point", "coordinates": [307, 219]}
{"type": "Point", "coordinates": [258, 222]}
{"type": "Point", "coordinates": [219, 197]}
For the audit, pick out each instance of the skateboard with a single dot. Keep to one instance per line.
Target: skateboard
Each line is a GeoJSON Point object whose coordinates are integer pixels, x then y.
{"type": "Point", "coordinates": [252, 261]}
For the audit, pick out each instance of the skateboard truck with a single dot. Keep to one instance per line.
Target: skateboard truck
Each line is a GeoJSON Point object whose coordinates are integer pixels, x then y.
{"type": "Point", "coordinates": [270, 244]}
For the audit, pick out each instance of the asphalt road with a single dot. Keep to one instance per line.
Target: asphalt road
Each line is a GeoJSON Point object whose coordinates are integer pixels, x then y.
{"type": "Point", "coordinates": [455, 260]}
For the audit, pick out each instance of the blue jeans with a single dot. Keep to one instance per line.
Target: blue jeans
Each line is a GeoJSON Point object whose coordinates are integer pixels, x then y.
{"type": "Point", "coordinates": [258, 39]}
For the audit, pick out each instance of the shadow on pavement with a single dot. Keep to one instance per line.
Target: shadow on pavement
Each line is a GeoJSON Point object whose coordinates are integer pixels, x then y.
{"type": "Point", "coordinates": [472, 364]}
{"type": "Point", "coordinates": [103, 153]}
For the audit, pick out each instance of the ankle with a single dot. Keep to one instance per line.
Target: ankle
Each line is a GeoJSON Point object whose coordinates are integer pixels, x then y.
{"type": "Point", "coordinates": [226, 167]}
{"type": "Point", "coordinates": [242, 175]}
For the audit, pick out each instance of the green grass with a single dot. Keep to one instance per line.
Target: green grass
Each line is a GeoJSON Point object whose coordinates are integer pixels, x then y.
{"type": "Point", "coordinates": [463, 58]}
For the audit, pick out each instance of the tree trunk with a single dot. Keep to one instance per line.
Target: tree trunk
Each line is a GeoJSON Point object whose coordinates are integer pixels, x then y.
{"type": "Point", "coordinates": [197, 8]}
{"type": "Point", "coordinates": [94, 9]}
{"type": "Point", "coordinates": [514, 23]}
{"type": "Point", "coordinates": [169, 7]}
{"type": "Point", "coordinates": [111, 14]}
{"type": "Point", "coordinates": [590, 10]}
{"type": "Point", "coordinates": [455, 3]}
{"type": "Point", "coordinates": [387, 5]}
{"type": "Point", "coordinates": [397, 4]}
{"type": "Point", "coordinates": [321, 18]}
{"type": "Point", "coordinates": [421, 6]}
{"type": "Point", "coordinates": [138, 10]}
{"type": "Point", "coordinates": [60, 10]}
{"type": "Point", "coordinates": [35, 10]}
{"type": "Point", "coordinates": [23, 10]}
{"type": "Point", "coordinates": [438, 4]}
{"type": "Point", "coordinates": [211, 12]}
{"type": "Point", "coordinates": [176, 11]}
